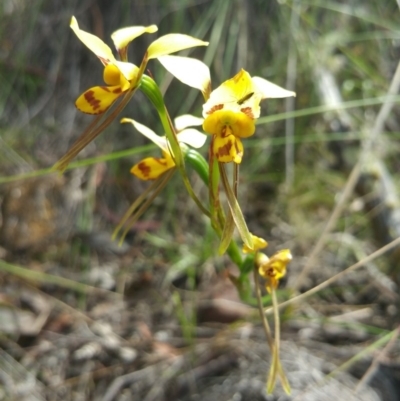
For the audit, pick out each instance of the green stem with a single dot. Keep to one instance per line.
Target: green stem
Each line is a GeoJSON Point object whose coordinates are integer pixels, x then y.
{"type": "Point", "coordinates": [200, 165]}
{"type": "Point", "coordinates": [235, 209]}
{"type": "Point", "coordinates": [264, 320]}
{"type": "Point", "coordinates": [217, 214]}
{"type": "Point", "coordinates": [268, 334]}
{"type": "Point", "coordinates": [152, 91]}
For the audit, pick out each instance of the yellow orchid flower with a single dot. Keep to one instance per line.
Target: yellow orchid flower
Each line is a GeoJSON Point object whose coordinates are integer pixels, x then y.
{"type": "Point", "coordinates": [122, 76]}
{"type": "Point", "coordinates": [273, 268]}
{"type": "Point", "coordinates": [151, 168]}
{"type": "Point", "coordinates": [117, 75]}
{"type": "Point", "coordinates": [229, 114]}
{"type": "Point", "coordinates": [230, 110]}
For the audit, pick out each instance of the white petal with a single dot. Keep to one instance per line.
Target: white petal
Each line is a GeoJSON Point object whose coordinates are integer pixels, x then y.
{"type": "Point", "coordinates": [190, 71]}
{"type": "Point", "coordinates": [192, 137]}
{"type": "Point", "coordinates": [270, 90]}
{"type": "Point", "coordinates": [160, 141]}
{"type": "Point", "coordinates": [187, 120]}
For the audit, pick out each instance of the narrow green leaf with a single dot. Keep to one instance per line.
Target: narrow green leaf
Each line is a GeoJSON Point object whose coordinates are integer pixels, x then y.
{"type": "Point", "coordinates": [235, 209]}
{"type": "Point", "coordinates": [273, 371]}
{"type": "Point", "coordinates": [227, 233]}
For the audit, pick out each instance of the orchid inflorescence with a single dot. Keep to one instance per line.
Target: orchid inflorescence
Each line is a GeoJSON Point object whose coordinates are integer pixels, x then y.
{"type": "Point", "coordinates": [229, 115]}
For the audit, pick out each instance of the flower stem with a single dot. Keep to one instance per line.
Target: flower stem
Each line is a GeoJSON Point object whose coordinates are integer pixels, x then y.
{"type": "Point", "coordinates": [276, 367]}
{"type": "Point", "coordinates": [264, 320]}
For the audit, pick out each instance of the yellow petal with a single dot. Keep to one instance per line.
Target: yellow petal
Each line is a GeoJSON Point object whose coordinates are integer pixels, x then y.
{"type": "Point", "coordinates": [190, 71]}
{"type": "Point", "coordinates": [258, 243]}
{"type": "Point", "coordinates": [228, 149]}
{"type": "Point", "coordinates": [236, 94]}
{"type": "Point", "coordinates": [151, 167]}
{"type": "Point", "coordinates": [122, 37]}
{"type": "Point", "coordinates": [239, 123]}
{"type": "Point", "coordinates": [172, 43]}
{"type": "Point", "coordinates": [192, 137]}
{"type": "Point", "coordinates": [275, 267]}
{"type": "Point", "coordinates": [96, 45]}
{"type": "Point", "coordinates": [128, 70]}
{"type": "Point", "coordinates": [98, 99]}
{"type": "Point", "coordinates": [160, 141]}
{"type": "Point", "coordinates": [269, 90]}
{"type": "Point", "coordinates": [112, 75]}
{"type": "Point", "coordinates": [187, 120]}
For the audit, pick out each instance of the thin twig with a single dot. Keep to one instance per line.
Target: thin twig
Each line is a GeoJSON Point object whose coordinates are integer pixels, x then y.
{"type": "Point", "coordinates": [264, 320]}
{"type": "Point", "coordinates": [354, 175]}
{"type": "Point", "coordinates": [267, 330]}
{"type": "Point", "coordinates": [328, 282]}
{"type": "Point", "coordinates": [375, 363]}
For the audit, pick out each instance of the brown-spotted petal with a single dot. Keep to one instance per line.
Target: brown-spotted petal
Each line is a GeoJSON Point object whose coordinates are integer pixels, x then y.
{"type": "Point", "coordinates": [98, 99]}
